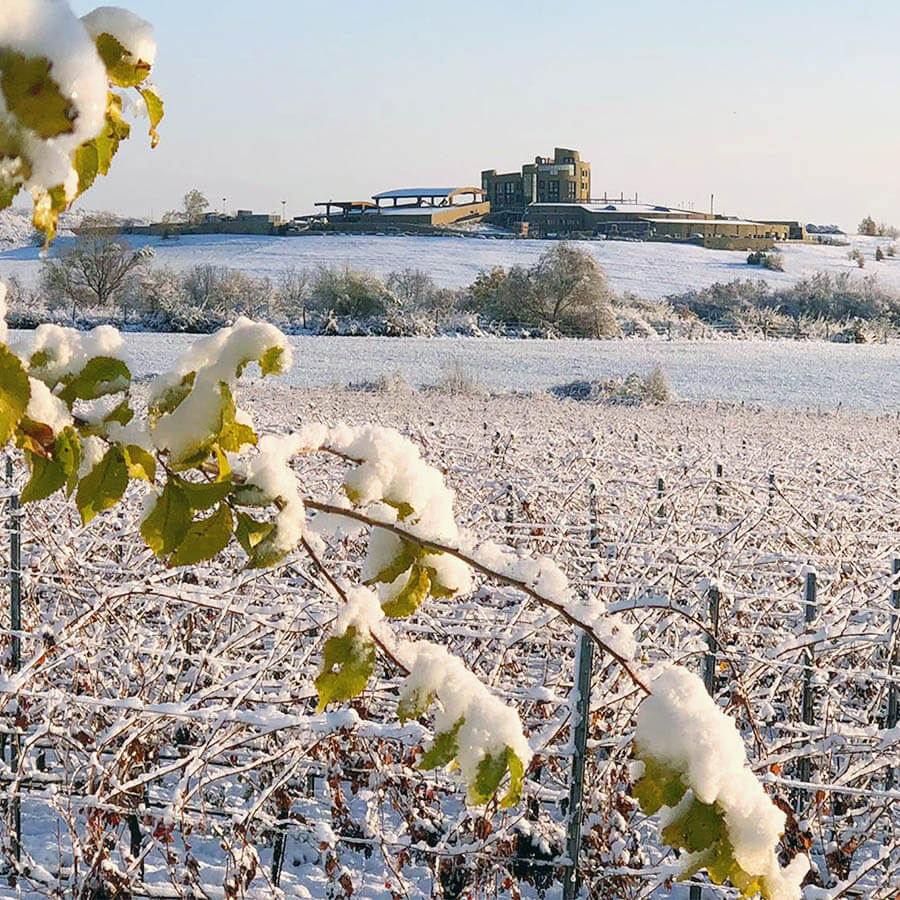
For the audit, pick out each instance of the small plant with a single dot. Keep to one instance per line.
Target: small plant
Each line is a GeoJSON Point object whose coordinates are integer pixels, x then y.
{"type": "Point", "coordinates": [879, 254]}
{"type": "Point", "coordinates": [457, 380]}
{"type": "Point", "coordinates": [656, 387]}
{"type": "Point", "coordinates": [892, 250]}
{"type": "Point", "coordinates": [856, 255]}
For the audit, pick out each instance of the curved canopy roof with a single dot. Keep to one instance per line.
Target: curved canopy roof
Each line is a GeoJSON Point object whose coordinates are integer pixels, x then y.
{"type": "Point", "coordinates": [411, 193]}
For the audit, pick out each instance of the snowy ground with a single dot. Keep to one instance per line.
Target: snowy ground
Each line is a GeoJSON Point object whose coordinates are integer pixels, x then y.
{"type": "Point", "coordinates": [780, 373]}
{"type": "Point", "coordinates": [138, 651]}
{"type": "Point", "coordinates": [648, 269]}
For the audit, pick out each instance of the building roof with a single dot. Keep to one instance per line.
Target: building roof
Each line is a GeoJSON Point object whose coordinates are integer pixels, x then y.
{"type": "Point", "coordinates": [702, 222]}
{"type": "Point", "coordinates": [598, 207]}
{"type": "Point", "coordinates": [415, 193]}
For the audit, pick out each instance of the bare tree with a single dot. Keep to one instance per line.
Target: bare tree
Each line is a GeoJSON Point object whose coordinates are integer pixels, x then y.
{"type": "Point", "coordinates": [293, 294]}
{"type": "Point", "coordinates": [94, 271]}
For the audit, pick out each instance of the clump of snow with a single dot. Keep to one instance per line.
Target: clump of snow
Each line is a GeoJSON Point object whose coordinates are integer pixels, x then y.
{"type": "Point", "coordinates": [65, 351]}
{"type": "Point", "coordinates": [270, 473]}
{"type": "Point", "coordinates": [362, 610]}
{"type": "Point", "coordinates": [49, 29]}
{"type": "Point", "coordinates": [131, 31]}
{"type": "Point", "coordinates": [47, 409]}
{"type": "Point", "coordinates": [216, 359]}
{"type": "Point", "coordinates": [490, 725]}
{"type": "Point", "coordinates": [392, 472]}
{"type": "Point", "coordinates": [681, 726]}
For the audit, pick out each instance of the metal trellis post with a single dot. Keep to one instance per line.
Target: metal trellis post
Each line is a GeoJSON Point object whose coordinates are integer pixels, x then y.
{"type": "Point", "coordinates": [709, 662]}
{"type": "Point", "coordinates": [15, 624]}
{"type": "Point", "coordinates": [584, 659]}
{"type": "Point", "coordinates": [893, 704]}
{"type": "Point", "coordinates": [808, 703]}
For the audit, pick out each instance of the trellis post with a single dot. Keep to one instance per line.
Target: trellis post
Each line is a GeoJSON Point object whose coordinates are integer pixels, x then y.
{"type": "Point", "coordinates": [893, 706]}
{"type": "Point", "coordinates": [808, 710]}
{"type": "Point", "coordinates": [581, 708]}
{"type": "Point", "coordinates": [15, 624]}
{"type": "Point", "coordinates": [712, 639]}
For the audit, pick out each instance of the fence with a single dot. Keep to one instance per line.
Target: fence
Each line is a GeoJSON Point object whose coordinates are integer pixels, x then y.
{"type": "Point", "coordinates": [155, 718]}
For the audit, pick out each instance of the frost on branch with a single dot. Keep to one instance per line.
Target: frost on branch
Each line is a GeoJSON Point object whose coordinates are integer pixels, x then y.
{"type": "Point", "coordinates": [60, 115]}
{"type": "Point", "coordinates": [472, 726]}
{"type": "Point", "coordinates": [397, 486]}
{"type": "Point", "coordinates": [693, 771]}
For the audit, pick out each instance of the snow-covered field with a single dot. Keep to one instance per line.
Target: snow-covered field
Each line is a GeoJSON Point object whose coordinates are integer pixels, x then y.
{"type": "Point", "coordinates": [190, 700]}
{"type": "Point", "coordinates": [651, 270]}
{"type": "Point", "coordinates": [781, 373]}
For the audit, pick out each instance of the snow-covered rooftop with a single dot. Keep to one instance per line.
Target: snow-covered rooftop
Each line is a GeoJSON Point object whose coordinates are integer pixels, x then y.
{"type": "Point", "coordinates": [640, 208]}
{"type": "Point", "coordinates": [703, 222]}
{"type": "Point", "coordinates": [399, 193]}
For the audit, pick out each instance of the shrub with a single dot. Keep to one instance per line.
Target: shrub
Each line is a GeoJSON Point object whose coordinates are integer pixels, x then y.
{"type": "Point", "coordinates": [656, 387]}
{"type": "Point", "coordinates": [879, 254]}
{"type": "Point", "coordinates": [349, 292]}
{"type": "Point", "coordinates": [773, 261]}
{"type": "Point", "coordinates": [856, 255]}
{"type": "Point", "coordinates": [457, 380]}
{"type": "Point", "coordinates": [892, 250]}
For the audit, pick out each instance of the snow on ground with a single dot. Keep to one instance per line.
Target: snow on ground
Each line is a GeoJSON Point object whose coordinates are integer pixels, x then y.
{"type": "Point", "coordinates": [770, 373]}
{"type": "Point", "coordinates": [651, 270]}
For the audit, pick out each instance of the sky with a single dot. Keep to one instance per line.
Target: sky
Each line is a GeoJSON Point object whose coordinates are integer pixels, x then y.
{"type": "Point", "coordinates": [781, 109]}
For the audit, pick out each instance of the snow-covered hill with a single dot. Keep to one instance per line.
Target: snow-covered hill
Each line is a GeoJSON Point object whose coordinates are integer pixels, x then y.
{"type": "Point", "coordinates": [651, 270]}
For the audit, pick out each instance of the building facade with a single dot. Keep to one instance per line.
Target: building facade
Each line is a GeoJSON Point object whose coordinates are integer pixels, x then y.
{"type": "Point", "coordinates": [563, 178]}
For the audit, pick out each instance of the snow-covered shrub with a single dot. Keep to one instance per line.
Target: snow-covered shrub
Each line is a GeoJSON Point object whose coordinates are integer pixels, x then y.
{"type": "Point", "coordinates": [631, 389]}
{"type": "Point", "coordinates": [456, 380]}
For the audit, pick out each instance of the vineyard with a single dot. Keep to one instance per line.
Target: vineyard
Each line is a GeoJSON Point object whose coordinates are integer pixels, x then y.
{"type": "Point", "coordinates": [160, 734]}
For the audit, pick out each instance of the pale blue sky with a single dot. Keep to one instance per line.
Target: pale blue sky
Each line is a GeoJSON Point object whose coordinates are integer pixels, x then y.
{"type": "Point", "coordinates": [782, 109]}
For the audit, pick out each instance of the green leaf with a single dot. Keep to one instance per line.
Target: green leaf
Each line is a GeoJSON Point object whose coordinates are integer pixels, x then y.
{"type": "Point", "coordinates": [102, 487]}
{"type": "Point", "coordinates": [47, 477]}
{"type": "Point", "coordinates": [407, 554]}
{"type": "Point", "coordinates": [411, 596]}
{"type": "Point", "coordinates": [205, 494]}
{"type": "Point", "coordinates": [659, 786]}
{"type": "Point", "coordinates": [121, 66]}
{"type": "Point", "coordinates": [47, 207]}
{"type": "Point", "coordinates": [516, 779]}
{"type": "Point", "coordinates": [490, 772]}
{"type": "Point", "coordinates": [272, 361]}
{"type": "Point", "coordinates": [86, 163]}
{"type": "Point", "coordinates": [154, 111]}
{"type": "Point", "coordinates": [404, 509]}
{"type": "Point", "coordinates": [15, 392]}
{"type": "Point", "coordinates": [32, 96]}
{"type": "Point", "coordinates": [100, 376]}
{"type": "Point", "coordinates": [68, 452]}
{"type": "Point", "coordinates": [347, 663]}
{"type": "Point", "coordinates": [443, 749]}
{"type": "Point", "coordinates": [122, 414]}
{"type": "Point", "coordinates": [700, 826]}
{"type": "Point", "coordinates": [141, 464]}
{"type": "Point", "coordinates": [165, 527]}
{"type": "Point", "coordinates": [171, 398]}
{"type": "Point", "coordinates": [205, 538]}
{"type": "Point", "coordinates": [414, 705]}
{"type": "Point", "coordinates": [251, 532]}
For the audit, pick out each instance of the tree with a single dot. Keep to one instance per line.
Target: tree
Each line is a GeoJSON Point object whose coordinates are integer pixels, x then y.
{"type": "Point", "coordinates": [96, 270]}
{"type": "Point", "coordinates": [867, 227]}
{"type": "Point", "coordinates": [293, 294]}
{"type": "Point", "coordinates": [565, 290]}
{"type": "Point", "coordinates": [193, 206]}
{"type": "Point", "coordinates": [879, 254]}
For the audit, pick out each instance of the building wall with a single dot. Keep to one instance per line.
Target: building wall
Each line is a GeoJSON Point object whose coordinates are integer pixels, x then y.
{"type": "Point", "coordinates": [564, 178]}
